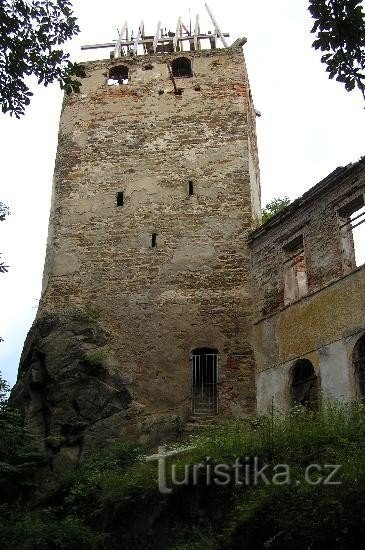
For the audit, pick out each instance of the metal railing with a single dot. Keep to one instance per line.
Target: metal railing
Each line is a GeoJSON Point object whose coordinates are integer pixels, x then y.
{"type": "Point", "coordinates": [204, 383]}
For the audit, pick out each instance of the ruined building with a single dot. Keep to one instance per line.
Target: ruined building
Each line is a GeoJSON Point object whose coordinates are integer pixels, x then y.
{"type": "Point", "coordinates": [162, 295]}
{"type": "Point", "coordinates": [309, 310]}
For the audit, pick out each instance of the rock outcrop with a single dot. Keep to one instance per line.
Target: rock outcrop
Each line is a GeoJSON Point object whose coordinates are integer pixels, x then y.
{"type": "Point", "coordinates": [70, 389]}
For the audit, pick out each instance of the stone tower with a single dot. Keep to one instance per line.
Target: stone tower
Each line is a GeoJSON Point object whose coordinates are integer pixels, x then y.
{"type": "Point", "coordinates": [146, 311]}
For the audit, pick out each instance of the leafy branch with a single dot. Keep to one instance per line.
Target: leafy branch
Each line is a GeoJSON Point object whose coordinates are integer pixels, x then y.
{"type": "Point", "coordinates": [30, 35]}
{"type": "Point", "coordinates": [340, 32]}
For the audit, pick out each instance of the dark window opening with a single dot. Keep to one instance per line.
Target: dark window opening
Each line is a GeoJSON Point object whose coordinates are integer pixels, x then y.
{"type": "Point", "coordinates": [154, 240]}
{"type": "Point", "coordinates": [120, 198]}
{"type": "Point", "coordinates": [295, 273]}
{"type": "Point", "coordinates": [352, 234]}
{"type": "Point", "coordinates": [147, 67]}
{"type": "Point", "coordinates": [191, 188]}
{"type": "Point", "coordinates": [304, 384]}
{"type": "Point", "coordinates": [204, 381]}
{"type": "Point", "coordinates": [118, 75]}
{"type": "Point", "coordinates": [358, 359]}
{"type": "Point", "coordinates": [181, 67]}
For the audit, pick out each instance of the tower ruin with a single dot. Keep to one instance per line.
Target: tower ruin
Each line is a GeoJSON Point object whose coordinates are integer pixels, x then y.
{"type": "Point", "coordinates": [146, 311]}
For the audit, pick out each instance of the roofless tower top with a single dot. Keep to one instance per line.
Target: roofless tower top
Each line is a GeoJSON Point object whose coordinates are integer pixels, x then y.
{"type": "Point", "coordinates": [164, 41]}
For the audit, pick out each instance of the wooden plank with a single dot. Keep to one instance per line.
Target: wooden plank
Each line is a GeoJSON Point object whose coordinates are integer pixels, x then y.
{"type": "Point", "coordinates": [157, 36]}
{"type": "Point", "coordinates": [127, 38]}
{"type": "Point", "coordinates": [176, 37]}
{"type": "Point", "coordinates": [216, 26]}
{"type": "Point", "coordinates": [196, 33]}
{"type": "Point", "coordinates": [131, 42]}
{"type": "Point", "coordinates": [176, 91]}
{"type": "Point", "coordinates": [239, 42]}
{"type": "Point", "coordinates": [138, 39]}
{"type": "Point", "coordinates": [118, 45]}
{"type": "Point", "coordinates": [185, 29]}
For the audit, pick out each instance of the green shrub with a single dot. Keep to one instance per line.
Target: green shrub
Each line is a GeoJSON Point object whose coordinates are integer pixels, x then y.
{"type": "Point", "coordinates": [24, 530]}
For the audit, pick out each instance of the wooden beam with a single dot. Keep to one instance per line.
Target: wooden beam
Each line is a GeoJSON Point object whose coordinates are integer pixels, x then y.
{"type": "Point", "coordinates": [196, 33]}
{"type": "Point", "coordinates": [216, 26]}
{"type": "Point", "coordinates": [162, 40]}
{"type": "Point", "coordinates": [127, 38]}
{"type": "Point", "coordinates": [185, 29]}
{"type": "Point", "coordinates": [176, 91]}
{"type": "Point", "coordinates": [138, 38]}
{"type": "Point", "coordinates": [118, 45]}
{"type": "Point", "coordinates": [239, 42]}
{"type": "Point", "coordinates": [157, 36]}
{"type": "Point", "coordinates": [176, 37]}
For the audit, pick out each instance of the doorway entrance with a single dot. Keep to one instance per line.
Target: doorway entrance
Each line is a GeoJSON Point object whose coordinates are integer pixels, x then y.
{"type": "Point", "coordinates": [204, 381]}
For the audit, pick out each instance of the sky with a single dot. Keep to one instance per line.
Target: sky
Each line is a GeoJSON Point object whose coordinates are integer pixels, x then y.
{"type": "Point", "coordinates": [309, 126]}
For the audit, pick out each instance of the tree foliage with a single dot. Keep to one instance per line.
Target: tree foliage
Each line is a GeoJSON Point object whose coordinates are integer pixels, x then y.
{"type": "Point", "coordinates": [30, 35]}
{"type": "Point", "coordinates": [340, 33]}
{"type": "Point", "coordinates": [4, 211]}
{"type": "Point", "coordinates": [273, 207]}
{"type": "Point", "coordinates": [14, 456]}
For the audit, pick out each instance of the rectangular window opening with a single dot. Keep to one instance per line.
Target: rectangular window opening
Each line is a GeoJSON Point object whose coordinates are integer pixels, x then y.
{"type": "Point", "coordinates": [352, 233]}
{"type": "Point", "coordinates": [154, 240]}
{"type": "Point", "coordinates": [191, 188]}
{"type": "Point", "coordinates": [295, 272]}
{"type": "Point", "coordinates": [120, 198]}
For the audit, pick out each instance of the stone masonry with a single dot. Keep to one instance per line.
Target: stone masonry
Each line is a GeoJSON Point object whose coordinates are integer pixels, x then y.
{"type": "Point", "coordinates": [324, 324]}
{"type": "Point", "coordinates": [131, 290]}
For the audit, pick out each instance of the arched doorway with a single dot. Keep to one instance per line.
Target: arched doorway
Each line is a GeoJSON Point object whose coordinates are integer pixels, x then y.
{"type": "Point", "coordinates": [304, 384]}
{"type": "Point", "coordinates": [204, 381]}
{"type": "Point", "coordinates": [358, 360]}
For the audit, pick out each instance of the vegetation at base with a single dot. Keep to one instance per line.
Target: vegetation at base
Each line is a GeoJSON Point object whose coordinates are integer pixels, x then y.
{"type": "Point", "coordinates": [112, 500]}
{"type": "Point", "coordinates": [273, 207]}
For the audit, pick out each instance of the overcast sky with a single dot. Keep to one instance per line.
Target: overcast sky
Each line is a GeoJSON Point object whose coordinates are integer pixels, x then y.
{"type": "Point", "coordinates": [309, 126]}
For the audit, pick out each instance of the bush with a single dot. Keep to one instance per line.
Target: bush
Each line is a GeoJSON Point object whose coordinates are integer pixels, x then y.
{"type": "Point", "coordinates": [112, 499]}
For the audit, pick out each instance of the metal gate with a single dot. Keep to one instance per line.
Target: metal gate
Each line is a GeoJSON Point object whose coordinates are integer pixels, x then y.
{"type": "Point", "coordinates": [204, 382]}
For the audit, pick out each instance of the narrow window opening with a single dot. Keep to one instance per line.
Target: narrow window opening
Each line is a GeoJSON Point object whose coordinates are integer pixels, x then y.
{"type": "Point", "coordinates": [295, 274]}
{"type": "Point", "coordinates": [120, 198]}
{"type": "Point", "coordinates": [358, 360]}
{"type": "Point", "coordinates": [304, 384]}
{"type": "Point", "coordinates": [154, 240]}
{"type": "Point", "coordinates": [352, 234]}
{"type": "Point", "coordinates": [118, 75]}
{"type": "Point", "coordinates": [181, 68]}
{"type": "Point", "coordinates": [191, 188]}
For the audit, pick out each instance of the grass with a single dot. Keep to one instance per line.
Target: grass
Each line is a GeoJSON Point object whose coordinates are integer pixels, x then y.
{"type": "Point", "coordinates": [114, 494]}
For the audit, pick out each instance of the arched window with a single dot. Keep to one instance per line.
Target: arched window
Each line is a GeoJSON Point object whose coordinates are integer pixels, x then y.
{"type": "Point", "coordinates": [304, 384]}
{"type": "Point", "coordinates": [181, 67]}
{"type": "Point", "coordinates": [204, 381]}
{"type": "Point", "coordinates": [119, 74]}
{"type": "Point", "coordinates": [358, 359]}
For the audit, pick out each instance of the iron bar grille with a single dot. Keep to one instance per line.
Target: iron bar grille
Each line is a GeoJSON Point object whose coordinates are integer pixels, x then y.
{"type": "Point", "coordinates": [204, 383]}
{"type": "Point", "coordinates": [359, 365]}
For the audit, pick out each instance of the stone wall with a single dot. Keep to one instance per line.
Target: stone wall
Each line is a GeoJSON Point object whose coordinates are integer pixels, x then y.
{"type": "Point", "coordinates": [153, 305]}
{"type": "Point", "coordinates": [324, 325]}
